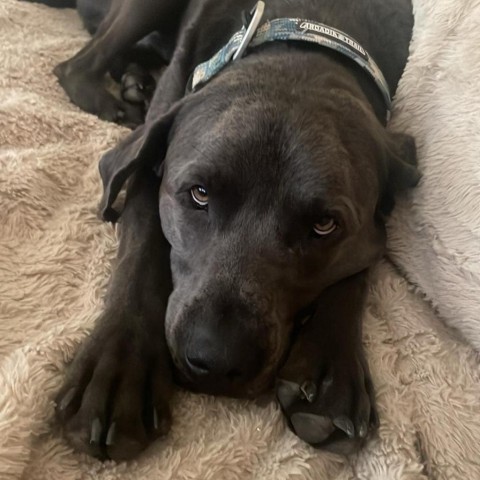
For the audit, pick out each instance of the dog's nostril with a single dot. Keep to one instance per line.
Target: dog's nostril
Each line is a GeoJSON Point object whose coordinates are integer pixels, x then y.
{"type": "Point", "coordinates": [201, 367]}
{"type": "Point", "coordinates": [198, 365]}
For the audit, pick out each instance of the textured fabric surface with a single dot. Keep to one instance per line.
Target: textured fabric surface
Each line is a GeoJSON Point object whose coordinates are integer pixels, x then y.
{"type": "Point", "coordinates": [55, 259]}
{"type": "Point", "coordinates": [435, 236]}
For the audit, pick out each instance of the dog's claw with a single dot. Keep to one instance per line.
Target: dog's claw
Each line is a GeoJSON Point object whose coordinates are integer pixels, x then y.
{"type": "Point", "coordinates": [66, 400]}
{"type": "Point", "coordinates": [96, 432]}
{"type": "Point", "coordinates": [312, 428]}
{"type": "Point", "coordinates": [345, 424]}
{"type": "Point", "coordinates": [111, 435]}
{"type": "Point", "coordinates": [287, 392]}
{"type": "Point", "coordinates": [362, 431]}
{"type": "Point", "coordinates": [155, 418]}
{"type": "Point", "coordinates": [309, 390]}
{"type": "Point", "coordinates": [161, 420]}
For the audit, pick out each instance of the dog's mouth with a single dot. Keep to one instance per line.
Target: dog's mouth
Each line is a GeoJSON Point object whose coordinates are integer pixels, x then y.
{"type": "Point", "coordinates": [233, 385]}
{"type": "Point", "coordinates": [232, 389]}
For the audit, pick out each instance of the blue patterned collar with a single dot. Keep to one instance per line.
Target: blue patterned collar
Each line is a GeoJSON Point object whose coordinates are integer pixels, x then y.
{"type": "Point", "coordinates": [254, 34]}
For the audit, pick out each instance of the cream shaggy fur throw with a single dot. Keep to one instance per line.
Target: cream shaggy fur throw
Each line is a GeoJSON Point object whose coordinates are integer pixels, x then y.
{"type": "Point", "coordinates": [55, 259]}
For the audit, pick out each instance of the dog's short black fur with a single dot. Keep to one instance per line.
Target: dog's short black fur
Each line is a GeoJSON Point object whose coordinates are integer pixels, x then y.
{"type": "Point", "coordinates": [288, 138]}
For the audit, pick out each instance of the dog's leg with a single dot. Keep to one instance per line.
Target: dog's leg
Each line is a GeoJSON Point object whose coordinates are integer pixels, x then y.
{"type": "Point", "coordinates": [325, 388]}
{"type": "Point", "coordinates": [115, 399]}
{"type": "Point", "coordinates": [127, 22]}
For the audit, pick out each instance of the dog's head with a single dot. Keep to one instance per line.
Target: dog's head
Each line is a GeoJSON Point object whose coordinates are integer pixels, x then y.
{"type": "Point", "coordinates": [265, 200]}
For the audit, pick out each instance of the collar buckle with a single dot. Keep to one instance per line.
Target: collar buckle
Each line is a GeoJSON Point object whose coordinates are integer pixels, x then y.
{"type": "Point", "coordinates": [252, 22]}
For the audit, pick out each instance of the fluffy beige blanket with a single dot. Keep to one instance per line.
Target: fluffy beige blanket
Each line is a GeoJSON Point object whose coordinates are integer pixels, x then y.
{"type": "Point", "coordinates": [55, 260]}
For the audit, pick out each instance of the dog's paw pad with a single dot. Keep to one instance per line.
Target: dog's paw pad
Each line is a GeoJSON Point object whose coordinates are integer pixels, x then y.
{"type": "Point", "coordinates": [137, 87]}
{"type": "Point", "coordinates": [312, 428]}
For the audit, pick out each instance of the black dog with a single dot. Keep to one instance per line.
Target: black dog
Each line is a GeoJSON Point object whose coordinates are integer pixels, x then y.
{"type": "Point", "coordinates": [273, 180]}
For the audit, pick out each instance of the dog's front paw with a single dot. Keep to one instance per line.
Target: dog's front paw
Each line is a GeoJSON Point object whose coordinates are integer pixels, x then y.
{"type": "Point", "coordinates": [329, 403]}
{"type": "Point", "coordinates": [115, 400]}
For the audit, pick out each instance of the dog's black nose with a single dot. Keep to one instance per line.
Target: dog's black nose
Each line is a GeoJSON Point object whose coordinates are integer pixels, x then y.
{"type": "Point", "coordinates": [221, 358]}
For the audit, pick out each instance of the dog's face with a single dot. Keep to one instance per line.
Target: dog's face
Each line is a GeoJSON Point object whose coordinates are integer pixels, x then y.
{"type": "Point", "coordinates": [264, 204]}
{"type": "Point", "coordinates": [267, 198]}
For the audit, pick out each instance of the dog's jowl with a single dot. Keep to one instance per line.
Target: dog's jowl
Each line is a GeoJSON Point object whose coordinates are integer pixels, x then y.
{"type": "Point", "coordinates": [259, 175]}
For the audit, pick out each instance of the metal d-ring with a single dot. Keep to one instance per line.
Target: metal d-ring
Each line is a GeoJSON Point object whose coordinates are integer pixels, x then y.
{"type": "Point", "coordinates": [257, 14]}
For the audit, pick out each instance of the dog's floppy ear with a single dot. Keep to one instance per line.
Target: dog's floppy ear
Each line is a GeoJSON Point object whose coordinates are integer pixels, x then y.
{"type": "Point", "coordinates": [146, 146]}
{"type": "Point", "coordinates": [400, 168]}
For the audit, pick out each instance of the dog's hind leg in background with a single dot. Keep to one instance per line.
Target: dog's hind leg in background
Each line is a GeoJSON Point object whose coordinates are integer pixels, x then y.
{"type": "Point", "coordinates": [83, 75]}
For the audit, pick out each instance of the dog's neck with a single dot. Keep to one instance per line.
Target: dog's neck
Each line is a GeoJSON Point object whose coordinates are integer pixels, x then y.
{"type": "Point", "coordinates": [363, 80]}
{"type": "Point", "coordinates": [296, 30]}
{"type": "Point", "coordinates": [304, 68]}
{"type": "Point", "coordinates": [381, 27]}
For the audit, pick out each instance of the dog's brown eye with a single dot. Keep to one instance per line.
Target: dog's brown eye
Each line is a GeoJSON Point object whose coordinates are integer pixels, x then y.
{"type": "Point", "coordinates": [325, 226]}
{"type": "Point", "coordinates": [200, 196]}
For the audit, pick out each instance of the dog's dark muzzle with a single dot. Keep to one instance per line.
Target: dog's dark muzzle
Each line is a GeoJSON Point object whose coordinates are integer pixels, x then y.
{"type": "Point", "coordinates": [219, 352]}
